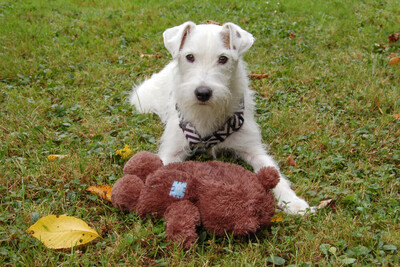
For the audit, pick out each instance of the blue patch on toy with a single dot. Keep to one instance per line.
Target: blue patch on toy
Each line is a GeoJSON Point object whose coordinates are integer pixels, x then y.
{"type": "Point", "coordinates": [178, 189]}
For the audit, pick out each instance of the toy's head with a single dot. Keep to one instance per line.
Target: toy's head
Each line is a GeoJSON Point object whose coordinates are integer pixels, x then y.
{"type": "Point", "coordinates": [126, 191]}
{"type": "Point", "coordinates": [149, 187]}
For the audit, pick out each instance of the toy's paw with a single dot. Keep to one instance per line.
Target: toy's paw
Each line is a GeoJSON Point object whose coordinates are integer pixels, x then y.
{"type": "Point", "coordinates": [296, 206]}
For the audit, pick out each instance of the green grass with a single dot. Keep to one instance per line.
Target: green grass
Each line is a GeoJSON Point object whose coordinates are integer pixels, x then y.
{"type": "Point", "coordinates": [66, 69]}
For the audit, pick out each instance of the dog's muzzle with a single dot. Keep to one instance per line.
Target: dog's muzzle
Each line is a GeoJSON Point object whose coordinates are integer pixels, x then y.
{"type": "Point", "coordinates": [203, 94]}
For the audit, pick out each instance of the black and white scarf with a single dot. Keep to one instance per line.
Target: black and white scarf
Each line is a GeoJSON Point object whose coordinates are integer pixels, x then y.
{"type": "Point", "coordinates": [233, 124]}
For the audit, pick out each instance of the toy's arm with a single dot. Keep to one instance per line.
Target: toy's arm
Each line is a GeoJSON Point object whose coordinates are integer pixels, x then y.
{"type": "Point", "coordinates": [182, 218]}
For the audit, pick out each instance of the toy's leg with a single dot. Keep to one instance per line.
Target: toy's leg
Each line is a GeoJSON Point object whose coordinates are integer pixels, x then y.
{"type": "Point", "coordinates": [182, 218]}
{"type": "Point", "coordinates": [286, 197]}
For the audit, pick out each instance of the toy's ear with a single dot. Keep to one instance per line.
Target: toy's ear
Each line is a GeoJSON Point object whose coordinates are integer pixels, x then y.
{"type": "Point", "coordinates": [236, 38]}
{"type": "Point", "coordinates": [268, 177]}
{"type": "Point", "coordinates": [142, 164]}
{"type": "Point", "coordinates": [174, 38]}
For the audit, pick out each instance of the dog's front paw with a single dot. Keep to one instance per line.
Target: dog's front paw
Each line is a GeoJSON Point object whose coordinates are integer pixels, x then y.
{"type": "Point", "coordinates": [296, 206]}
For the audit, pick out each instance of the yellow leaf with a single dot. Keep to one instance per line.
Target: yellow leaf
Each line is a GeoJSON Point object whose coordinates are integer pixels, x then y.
{"type": "Point", "coordinates": [102, 191]}
{"type": "Point", "coordinates": [397, 116]}
{"type": "Point", "coordinates": [58, 232]}
{"type": "Point", "coordinates": [124, 153]}
{"type": "Point", "coordinates": [278, 217]}
{"type": "Point", "coordinates": [54, 157]}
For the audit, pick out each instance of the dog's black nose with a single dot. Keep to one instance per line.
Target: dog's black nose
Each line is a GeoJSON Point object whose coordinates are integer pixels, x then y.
{"type": "Point", "coordinates": [203, 93]}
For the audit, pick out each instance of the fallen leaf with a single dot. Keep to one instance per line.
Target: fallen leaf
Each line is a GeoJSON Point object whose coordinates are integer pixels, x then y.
{"type": "Point", "coordinates": [394, 37]}
{"type": "Point", "coordinates": [397, 116]}
{"type": "Point", "coordinates": [54, 157]}
{"type": "Point", "coordinates": [258, 76]}
{"type": "Point", "coordinates": [213, 22]}
{"type": "Point", "coordinates": [325, 203]}
{"type": "Point", "coordinates": [125, 152]}
{"type": "Point", "coordinates": [59, 232]}
{"type": "Point", "coordinates": [292, 35]}
{"type": "Point", "coordinates": [379, 48]}
{"type": "Point", "coordinates": [278, 217]}
{"type": "Point", "coordinates": [151, 56]}
{"type": "Point", "coordinates": [102, 191]}
{"type": "Point", "coordinates": [291, 161]}
{"type": "Point", "coordinates": [379, 107]}
{"type": "Point", "coordinates": [394, 61]}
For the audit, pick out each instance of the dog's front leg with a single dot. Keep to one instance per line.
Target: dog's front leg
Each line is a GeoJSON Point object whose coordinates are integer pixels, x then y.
{"type": "Point", "coordinates": [286, 197]}
{"type": "Point", "coordinates": [173, 144]}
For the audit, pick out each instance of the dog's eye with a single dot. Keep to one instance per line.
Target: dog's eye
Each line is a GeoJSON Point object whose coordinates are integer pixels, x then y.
{"type": "Point", "coordinates": [222, 59]}
{"type": "Point", "coordinates": [190, 58]}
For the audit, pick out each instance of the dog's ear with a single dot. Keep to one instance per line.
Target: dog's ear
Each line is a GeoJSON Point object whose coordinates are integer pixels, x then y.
{"type": "Point", "coordinates": [236, 38]}
{"type": "Point", "coordinates": [174, 38]}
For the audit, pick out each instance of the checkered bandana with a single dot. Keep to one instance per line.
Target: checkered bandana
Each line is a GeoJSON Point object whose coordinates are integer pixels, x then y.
{"type": "Point", "coordinates": [232, 125]}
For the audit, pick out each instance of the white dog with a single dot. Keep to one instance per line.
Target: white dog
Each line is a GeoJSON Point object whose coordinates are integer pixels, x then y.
{"type": "Point", "coordinates": [203, 97]}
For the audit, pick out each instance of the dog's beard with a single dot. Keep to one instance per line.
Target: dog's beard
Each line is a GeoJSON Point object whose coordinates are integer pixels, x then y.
{"type": "Point", "coordinates": [207, 116]}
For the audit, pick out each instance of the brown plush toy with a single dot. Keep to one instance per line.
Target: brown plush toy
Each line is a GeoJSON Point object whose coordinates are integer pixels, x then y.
{"type": "Point", "coordinates": [223, 197]}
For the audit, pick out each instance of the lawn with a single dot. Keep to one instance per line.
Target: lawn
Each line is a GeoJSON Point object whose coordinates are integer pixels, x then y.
{"type": "Point", "coordinates": [327, 106]}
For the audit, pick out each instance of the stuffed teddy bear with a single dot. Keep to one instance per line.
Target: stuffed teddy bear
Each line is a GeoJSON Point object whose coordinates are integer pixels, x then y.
{"type": "Point", "coordinates": [223, 197]}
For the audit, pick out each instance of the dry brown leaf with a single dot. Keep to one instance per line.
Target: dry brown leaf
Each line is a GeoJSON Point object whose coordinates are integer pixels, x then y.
{"type": "Point", "coordinates": [292, 35]}
{"type": "Point", "coordinates": [379, 47]}
{"type": "Point", "coordinates": [258, 76]}
{"type": "Point", "coordinates": [291, 161]}
{"type": "Point", "coordinates": [379, 107]}
{"type": "Point", "coordinates": [394, 61]}
{"type": "Point", "coordinates": [325, 203]}
{"type": "Point", "coordinates": [397, 116]}
{"type": "Point", "coordinates": [213, 22]}
{"type": "Point", "coordinates": [394, 37]}
{"type": "Point", "coordinates": [102, 191]}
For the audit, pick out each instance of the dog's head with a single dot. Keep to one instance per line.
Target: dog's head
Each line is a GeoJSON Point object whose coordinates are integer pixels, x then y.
{"type": "Point", "coordinates": [208, 57]}
{"type": "Point", "coordinates": [230, 35]}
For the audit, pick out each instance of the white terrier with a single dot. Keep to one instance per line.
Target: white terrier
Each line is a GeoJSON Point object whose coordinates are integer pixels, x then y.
{"type": "Point", "coordinates": [203, 97]}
